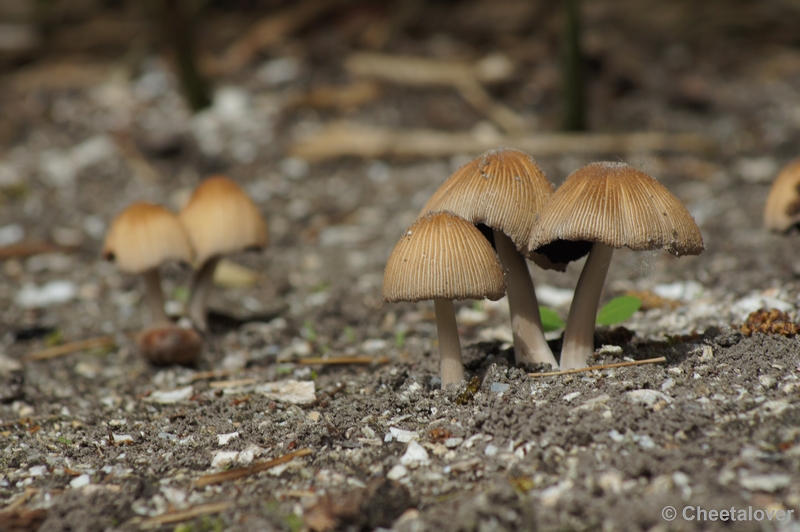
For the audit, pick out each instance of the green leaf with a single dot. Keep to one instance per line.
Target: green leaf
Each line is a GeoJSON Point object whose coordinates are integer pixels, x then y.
{"type": "Point", "coordinates": [618, 310]}
{"type": "Point", "coordinates": [550, 320]}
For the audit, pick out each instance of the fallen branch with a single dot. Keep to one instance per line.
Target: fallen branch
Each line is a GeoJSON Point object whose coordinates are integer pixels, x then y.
{"type": "Point", "coordinates": [27, 249]}
{"type": "Point", "coordinates": [342, 139]}
{"type": "Point", "coordinates": [191, 513]}
{"type": "Point", "coordinates": [59, 350]}
{"type": "Point", "coordinates": [241, 472]}
{"type": "Point", "coordinates": [342, 360]}
{"type": "Point", "coordinates": [658, 360]}
{"type": "Point", "coordinates": [463, 76]}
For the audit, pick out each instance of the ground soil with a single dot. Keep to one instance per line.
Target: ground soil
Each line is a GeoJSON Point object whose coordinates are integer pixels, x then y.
{"type": "Point", "coordinates": [89, 441]}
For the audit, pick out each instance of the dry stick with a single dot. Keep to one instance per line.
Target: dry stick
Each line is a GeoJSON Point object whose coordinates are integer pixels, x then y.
{"type": "Point", "coordinates": [203, 375]}
{"type": "Point", "coordinates": [27, 249]}
{"type": "Point", "coordinates": [658, 360]}
{"type": "Point", "coordinates": [341, 139]}
{"type": "Point", "coordinates": [65, 349]}
{"type": "Point", "coordinates": [342, 360]}
{"type": "Point", "coordinates": [241, 472]}
{"type": "Point", "coordinates": [22, 499]}
{"type": "Point", "coordinates": [191, 513]}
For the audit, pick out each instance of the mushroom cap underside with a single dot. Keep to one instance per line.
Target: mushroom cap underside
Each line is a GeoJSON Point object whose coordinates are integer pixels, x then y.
{"type": "Point", "coordinates": [442, 256]}
{"type": "Point", "coordinates": [782, 208]}
{"type": "Point", "coordinates": [220, 218]}
{"type": "Point", "coordinates": [619, 206]}
{"type": "Point", "coordinates": [504, 189]}
{"type": "Point", "coordinates": [143, 236]}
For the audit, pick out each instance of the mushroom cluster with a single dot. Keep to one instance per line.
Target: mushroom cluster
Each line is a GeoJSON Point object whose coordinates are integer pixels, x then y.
{"type": "Point", "coordinates": [218, 219]}
{"type": "Point", "coordinates": [502, 201]}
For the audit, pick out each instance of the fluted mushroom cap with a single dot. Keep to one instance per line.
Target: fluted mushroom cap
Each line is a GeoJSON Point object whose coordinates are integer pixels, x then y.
{"type": "Point", "coordinates": [617, 205]}
{"type": "Point", "coordinates": [782, 210]}
{"type": "Point", "coordinates": [220, 218]}
{"type": "Point", "coordinates": [503, 189]}
{"type": "Point", "coordinates": [143, 236]}
{"type": "Point", "coordinates": [442, 256]}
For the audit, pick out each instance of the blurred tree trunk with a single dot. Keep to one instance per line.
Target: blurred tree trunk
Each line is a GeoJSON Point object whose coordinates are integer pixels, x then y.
{"type": "Point", "coordinates": [179, 31]}
{"type": "Point", "coordinates": [573, 70]}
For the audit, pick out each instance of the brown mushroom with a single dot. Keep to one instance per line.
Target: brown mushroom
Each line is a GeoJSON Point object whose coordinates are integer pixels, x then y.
{"type": "Point", "coordinates": [219, 219]}
{"type": "Point", "coordinates": [505, 190]}
{"type": "Point", "coordinates": [443, 257]}
{"type": "Point", "coordinates": [607, 205]}
{"type": "Point", "coordinates": [782, 210]}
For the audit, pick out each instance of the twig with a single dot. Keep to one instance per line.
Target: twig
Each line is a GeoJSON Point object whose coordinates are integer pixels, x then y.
{"type": "Point", "coordinates": [203, 375]}
{"type": "Point", "coordinates": [22, 499]}
{"type": "Point", "coordinates": [26, 249]}
{"type": "Point", "coordinates": [241, 472]}
{"type": "Point", "coordinates": [342, 139]}
{"type": "Point", "coordinates": [231, 384]}
{"type": "Point", "coordinates": [658, 360]}
{"type": "Point", "coordinates": [59, 350]}
{"type": "Point", "coordinates": [420, 71]}
{"type": "Point", "coordinates": [342, 360]}
{"type": "Point", "coordinates": [191, 513]}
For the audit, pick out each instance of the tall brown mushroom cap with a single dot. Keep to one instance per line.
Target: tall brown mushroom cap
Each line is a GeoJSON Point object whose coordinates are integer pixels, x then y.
{"type": "Point", "coordinates": [143, 236]}
{"type": "Point", "coordinates": [442, 256]}
{"type": "Point", "coordinates": [504, 189]}
{"type": "Point", "coordinates": [782, 210]}
{"type": "Point", "coordinates": [220, 218]}
{"type": "Point", "coordinates": [617, 205]}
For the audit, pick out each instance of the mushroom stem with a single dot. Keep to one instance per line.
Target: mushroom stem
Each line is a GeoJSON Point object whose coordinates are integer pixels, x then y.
{"type": "Point", "coordinates": [201, 284]}
{"type": "Point", "coordinates": [154, 297]}
{"type": "Point", "coordinates": [452, 370]}
{"type": "Point", "coordinates": [530, 346]}
{"type": "Point", "coordinates": [579, 333]}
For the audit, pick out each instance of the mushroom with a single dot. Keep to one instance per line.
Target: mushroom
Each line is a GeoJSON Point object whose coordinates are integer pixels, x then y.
{"type": "Point", "coordinates": [220, 219]}
{"type": "Point", "coordinates": [140, 239]}
{"type": "Point", "coordinates": [606, 206]}
{"type": "Point", "coordinates": [505, 190]}
{"type": "Point", "coordinates": [443, 257]}
{"type": "Point", "coordinates": [782, 210]}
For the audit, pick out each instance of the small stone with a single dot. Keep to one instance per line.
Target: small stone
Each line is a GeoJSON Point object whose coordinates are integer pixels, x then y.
{"type": "Point", "coordinates": [37, 471]}
{"type": "Point", "coordinates": [767, 482]}
{"type": "Point", "coordinates": [224, 458]}
{"type": "Point", "coordinates": [649, 398]}
{"type": "Point", "coordinates": [397, 472]}
{"type": "Point", "coordinates": [171, 396]}
{"type": "Point", "coordinates": [707, 355]}
{"type": "Point", "coordinates": [415, 455]}
{"type": "Point", "coordinates": [667, 384]}
{"type": "Point", "coordinates": [596, 403]}
{"type": "Point", "coordinates": [500, 387]}
{"type": "Point", "coordinates": [368, 432]}
{"type": "Point", "coordinates": [11, 234]}
{"type": "Point", "coordinates": [570, 396]}
{"type": "Point", "coordinates": [403, 436]}
{"type": "Point", "coordinates": [452, 443]}
{"type": "Point", "coordinates": [223, 439]}
{"type": "Point", "coordinates": [491, 450]}
{"type": "Point", "coordinates": [52, 293]}
{"type": "Point", "coordinates": [767, 381]}
{"type": "Point", "coordinates": [80, 481]}
{"type": "Point", "coordinates": [289, 391]}
{"type": "Point", "coordinates": [610, 350]}
{"type": "Point", "coordinates": [123, 438]}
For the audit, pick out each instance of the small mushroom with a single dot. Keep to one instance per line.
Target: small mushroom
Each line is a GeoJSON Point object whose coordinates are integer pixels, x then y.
{"type": "Point", "coordinates": [140, 239]}
{"type": "Point", "coordinates": [443, 257]}
{"type": "Point", "coordinates": [782, 210]}
{"type": "Point", "coordinates": [220, 219]}
{"type": "Point", "coordinates": [505, 190]}
{"type": "Point", "coordinates": [607, 206]}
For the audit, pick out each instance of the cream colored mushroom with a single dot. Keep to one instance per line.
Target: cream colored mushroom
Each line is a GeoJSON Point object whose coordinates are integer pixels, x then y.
{"type": "Point", "coordinates": [506, 190]}
{"type": "Point", "coordinates": [443, 257]}
{"type": "Point", "coordinates": [140, 239]}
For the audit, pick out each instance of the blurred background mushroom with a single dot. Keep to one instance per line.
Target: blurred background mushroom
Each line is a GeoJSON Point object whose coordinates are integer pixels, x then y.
{"type": "Point", "coordinates": [782, 209]}
{"type": "Point", "coordinates": [142, 238]}
{"type": "Point", "coordinates": [220, 218]}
